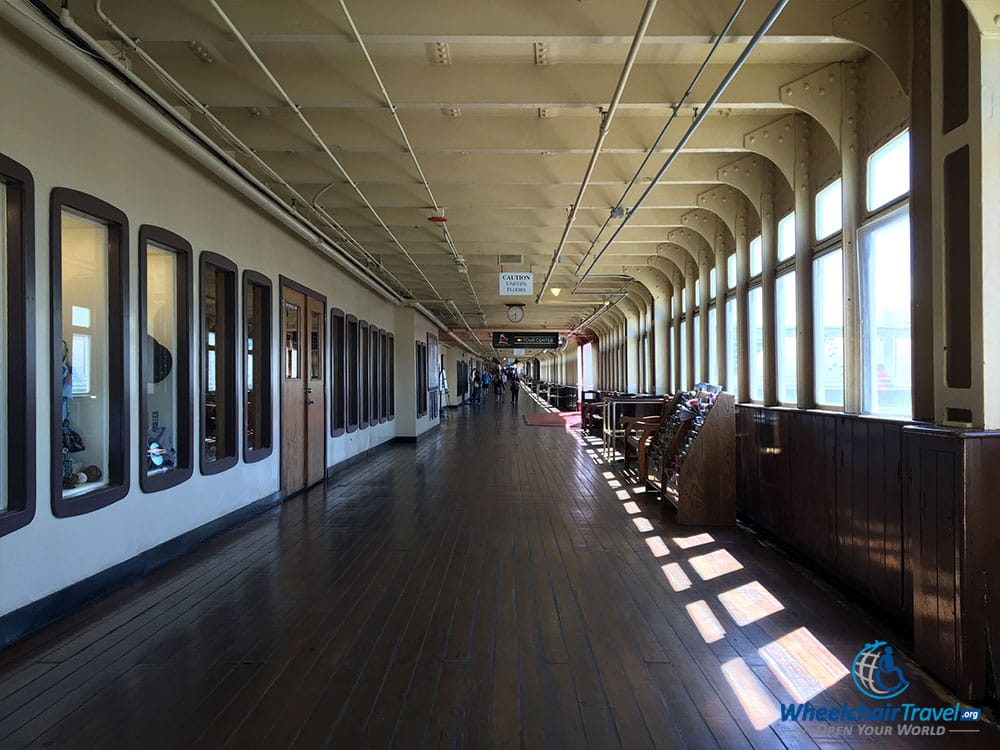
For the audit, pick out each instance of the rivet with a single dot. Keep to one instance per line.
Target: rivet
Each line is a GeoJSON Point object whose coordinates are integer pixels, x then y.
{"type": "Point", "coordinates": [822, 91]}
{"type": "Point", "coordinates": [788, 90]}
{"type": "Point", "coordinates": [781, 139]}
{"type": "Point", "coordinates": [805, 86]}
{"type": "Point", "coordinates": [753, 139]}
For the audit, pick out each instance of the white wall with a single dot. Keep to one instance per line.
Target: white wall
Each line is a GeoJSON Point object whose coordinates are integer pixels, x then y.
{"type": "Point", "coordinates": [68, 136]}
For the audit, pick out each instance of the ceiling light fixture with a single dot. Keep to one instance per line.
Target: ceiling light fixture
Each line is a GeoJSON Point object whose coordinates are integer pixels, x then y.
{"type": "Point", "coordinates": [555, 291]}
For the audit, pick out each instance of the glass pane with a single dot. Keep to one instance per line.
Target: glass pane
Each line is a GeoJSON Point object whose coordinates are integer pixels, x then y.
{"type": "Point", "coordinates": [4, 431]}
{"type": "Point", "coordinates": [756, 343]}
{"type": "Point", "coordinates": [672, 376]}
{"type": "Point", "coordinates": [885, 253]}
{"type": "Point", "coordinates": [732, 347]}
{"type": "Point", "coordinates": [683, 358]}
{"type": "Point", "coordinates": [315, 350]}
{"type": "Point", "coordinates": [829, 210]}
{"type": "Point", "coordinates": [889, 171]}
{"type": "Point", "coordinates": [218, 361]}
{"type": "Point", "coordinates": [713, 354]}
{"type": "Point", "coordinates": [366, 377]}
{"type": "Point", "coordinates": [756, 256]}
{"type": "Point", "coordinates": [339, 386]}
{"type": "Point", "coordinates": [786, 237]}
{"type": "Point", "coordinates": [684, 299]}
{"type": "Point", "coordinates": [828, 291]}
{"type": "Point", "coordinates": [697, 294]}
{"type": "Point", "coordinates": [258, 365]}
{"type": "Point", "coordinates": [292, 341]}
{"type": "Point", "coordinates": [162, 345]}
{"type": "Point", "coordinates": [731, 272]}
{"type": "Point", "coordinates": [352, 373]}
{"type": "Point", "coordinates": [711, 283]}
{"type": "Point", "coordinates": [85, 400]}
{"type": "Point", "coordinates": [392, 377]}
{"type": "Point", "coordinates": [785, 337]}
{"type": "Point", "coordinates": [698, 374]}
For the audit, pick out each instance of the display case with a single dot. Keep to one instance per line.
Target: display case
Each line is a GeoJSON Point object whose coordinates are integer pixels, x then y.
{"type": "Point", "coordinates": [692, 459]}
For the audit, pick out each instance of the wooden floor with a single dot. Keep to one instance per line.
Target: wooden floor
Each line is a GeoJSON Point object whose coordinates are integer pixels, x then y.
{"type": "Point", "coordinates": [490, 587]}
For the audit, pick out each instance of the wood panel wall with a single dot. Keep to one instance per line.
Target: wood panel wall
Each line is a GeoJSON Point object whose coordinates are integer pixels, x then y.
{"type": "Point", "coordinates": [831, 487]}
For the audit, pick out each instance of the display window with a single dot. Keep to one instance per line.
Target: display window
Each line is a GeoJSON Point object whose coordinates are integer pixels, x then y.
{"type": "Point", "coordinates": [165, 402]}
{"type": "Point", "coordinates": [219, 405]}
{"type": "Point", "coordinates": [90, 311]}
{"type": "Point", "coordinates": [338, 384]}
{"type": "Point", "coordinates": [257, 432]}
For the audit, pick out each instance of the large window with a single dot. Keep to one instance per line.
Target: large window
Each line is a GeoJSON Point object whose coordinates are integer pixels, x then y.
{"type": "Point", "coordinates": [673, 378]}
{"type": "Point", "coordinates": [713, 352]}
{"type": "Point", "coordinates": [699, 376]}
{"type": "Point", "coordinates": [383, 338]}
{"type": "Point", "coordinates": [731, 271]}
{"type": "Point", "coordinates": [889, 172]}
{"type": "Point", "coordinates": [218, 364]}
{"type": "Point", "coordinates": [756, 343]}
{"type": "Point", "coordinates": [829, 210]}
{"type": "Point", "coordinates": [684, 356]}
{"type": "Point", "coordinates": [338, 373]}
{"type": "Point", "coordinates": [392, 377]}
{"type": "Point", "coordinates": [17, 362]}
{"type": "Point", "coordinates": [885, 300]}
{"type": "Point", "coordinates": [786, 237]}
{"type": "Point", "coordinates": [257, 438]}
{"type": "Point", "coordinates": [90, 418]}
{"type": "Point", "coordinates": [732, 347]}
{"type": "Point", "coordinates": [165, 399]}
{"type": "Point", "coordinates": [785, 337]}
{"type": "Point", "coordinates": [711, 282]}
{"type": "Point", "coordinates": [375, 356]}
{"type": "Point", "coordinates": [756, 256]}
{"type": "Point", "coordinates": [828, 327]}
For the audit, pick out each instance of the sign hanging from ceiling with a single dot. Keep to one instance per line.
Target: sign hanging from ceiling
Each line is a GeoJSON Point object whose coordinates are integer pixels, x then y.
{"type": "Point", "coordinates": [521, 340]}
{"type": "Point", "coordinates": [516, 284]}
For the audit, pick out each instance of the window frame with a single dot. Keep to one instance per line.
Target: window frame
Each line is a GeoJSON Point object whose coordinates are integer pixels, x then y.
{"type": "Point", "coordinates": [364, 374]}
{"type": "Point", "coordinates": [256, 278]}
{"type": "Point", "coordinates": [420, 361]}
{"type": "Point", "coordinates": [185, 401]}
{"type": "Point", "coordinates": [20, 335]}
{"type": "Point", "coordinates": [827, 237]}
{"type": "Point", "coordinates": [383, 344]}
{"type": "Point", "coordinates": [873, 213]}
{"type": "Point", "coordinates": [392, 375]}
{"type": "Point", "coordinates": [219, 465]}
{"type": "Point", "coordinates": [829, 245]}
{"type": "Point", "coordinates": [119, 318]}
{"type": "Point", "coordinates": [353, 410]}
{"type": "Point", "coordinates": [338, 379]}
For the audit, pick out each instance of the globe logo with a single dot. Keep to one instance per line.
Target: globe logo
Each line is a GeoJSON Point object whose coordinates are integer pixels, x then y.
{"type": "Point", "coordinates": [875, 672]}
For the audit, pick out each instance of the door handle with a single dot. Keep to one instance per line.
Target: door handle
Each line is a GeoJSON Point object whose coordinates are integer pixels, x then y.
{"type": "Point", "coordinates": [311, 401]}
{"type": "Point", "coordinates": [309, 390]}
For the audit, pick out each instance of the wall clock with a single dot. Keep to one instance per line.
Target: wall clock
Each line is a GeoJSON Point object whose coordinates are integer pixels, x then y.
{"type": "Point", "coordinates": [515, 313]}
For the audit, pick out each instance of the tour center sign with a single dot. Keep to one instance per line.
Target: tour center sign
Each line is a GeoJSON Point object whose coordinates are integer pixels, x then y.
{"type": "Point", "coordinates": [516, 284]}
{"type": "Point", "coordinates": [521, 340]}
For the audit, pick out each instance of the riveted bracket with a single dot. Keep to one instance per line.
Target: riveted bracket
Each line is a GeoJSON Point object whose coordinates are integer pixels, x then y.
{"type": "Point", "coordinates": [820, 95]}
{"type": "Point", "coordinates": [675, 255]}
{"type": "Point", "coordinates": [690, 240]}
{"type": "Point", "coordinates": [721, 200]}
{"type": "Point", "coordinates": [709, 226]}
{"type": "Point", "coordinates": [747, 176]}
{"type": "Point", "coordinates": [776, 141]}
{"type": "Point", "coordinates": [883, 28]}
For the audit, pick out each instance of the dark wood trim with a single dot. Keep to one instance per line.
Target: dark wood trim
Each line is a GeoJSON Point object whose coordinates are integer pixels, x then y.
{"type": "Point", "coordinates": [35, 616]}
{"type": "Point", "coordinates": [338, 381]}
{"type": "Point", "coordinates": [182, 360]}
{"type": "Point", "coordinates": [20, 375]}
{"type": "Point", "coordinates": [352, 355]}
{"type": "Point", "coordinates": [119, 444]}
{"type": "Point", "coordinates": [208, 467]}
{"type": "Point", "coordinates": [410, 439]}
{"type": "Point", "coordinates": [358, 458]}
{"type": "Point", "coordinates": [285, 281]}
{"type": "Point", "coordinates": [264, 340]}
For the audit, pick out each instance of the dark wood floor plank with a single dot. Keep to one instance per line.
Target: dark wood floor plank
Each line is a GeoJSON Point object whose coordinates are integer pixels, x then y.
{"type": "Point", "coordinates": [483, 588]}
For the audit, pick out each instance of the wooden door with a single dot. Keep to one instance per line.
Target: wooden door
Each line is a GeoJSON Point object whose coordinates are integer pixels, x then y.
{"type": "Point", "coordinates": [303, 447]}
{"type": "Point", "coordinates": [293, 392]}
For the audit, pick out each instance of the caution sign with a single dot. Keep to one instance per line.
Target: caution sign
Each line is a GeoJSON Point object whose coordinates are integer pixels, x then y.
{"type": "Point", "coordinates": [517, 284]}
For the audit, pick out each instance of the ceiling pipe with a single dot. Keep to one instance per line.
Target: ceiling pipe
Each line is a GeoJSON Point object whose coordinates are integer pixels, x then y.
{"type": "Point", "coordinates": [109, 76]}
{"type": "Point", "coordinates": [189, 100]}
{"type": "Point", "coordinates": [409, 149]}
{"type": "Point", "coordinates": [597, 315]}
{"type": "Point", "coordinates": [607, 117]}
{"type": "Point", "coordinates": [673, 116]}
{"type": "Point", "coordinates": [751, 46]}
{"type": "Point", "coordinates": [441, 326]}
{"type": "Point", "coordinates": [316, 136]}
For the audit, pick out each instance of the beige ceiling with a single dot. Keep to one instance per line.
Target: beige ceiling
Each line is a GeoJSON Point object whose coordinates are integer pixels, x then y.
{"type": "Point", "coordinates": [501, 101]}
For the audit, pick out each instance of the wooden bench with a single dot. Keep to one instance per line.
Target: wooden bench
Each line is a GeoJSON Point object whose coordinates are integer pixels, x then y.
{"type": "Point", "coordinates": [639, 432]}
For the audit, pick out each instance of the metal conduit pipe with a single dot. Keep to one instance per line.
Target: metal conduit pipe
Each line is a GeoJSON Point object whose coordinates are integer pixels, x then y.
{"type": "Point", "coordinates": [640, 34]}
{"type": "Point", "coordinates": [185, 137]}
{"type": "Point", "coordinates": [68, 22]}
{"type": "Point", "coordinates": [673, 116]}
{"type": "Point", "coordinates": [597, 315]}
{"type": "Point", "coordinates": [441, 326]}
{"type": "Point", "coordinates": [406, 142]}
{"type": "Point", "coordinates": [316, 136]}
{"type": "Point", "coordinates": [751, 46]}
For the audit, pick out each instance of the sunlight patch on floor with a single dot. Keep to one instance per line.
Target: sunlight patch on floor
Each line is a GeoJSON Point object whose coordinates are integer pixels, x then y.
{"type": "Point", "coordinates": [715, 564]}
{"type": "Point", "coordinates": [803, 665]}
{"type": "Point", "coordinates": [757, 702]}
